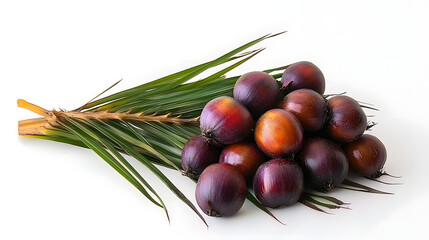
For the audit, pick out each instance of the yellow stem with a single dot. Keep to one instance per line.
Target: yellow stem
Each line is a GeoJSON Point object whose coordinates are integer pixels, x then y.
{"type": "Point", "coordinates": [36, 126]}
{"type": "Point", "coordinates": [34, 108]}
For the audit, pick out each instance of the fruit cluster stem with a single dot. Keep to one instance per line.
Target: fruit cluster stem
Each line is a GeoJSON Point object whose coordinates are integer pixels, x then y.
{"type": "Point", "coordinates": [49, 120]}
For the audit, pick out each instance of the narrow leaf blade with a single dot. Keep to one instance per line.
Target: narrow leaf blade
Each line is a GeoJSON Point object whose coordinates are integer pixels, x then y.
{"type": "Point", "coordinates": [255, 202]}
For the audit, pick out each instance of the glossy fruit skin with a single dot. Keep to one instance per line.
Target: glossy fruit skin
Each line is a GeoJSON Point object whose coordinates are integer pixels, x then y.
{"type": "Point", "coordinates": [221, 190]}
{"type": "Point", "coordinates": [197, 154]}
{"type": "Point", "coordinates": [225, 121]}
{"type": "Point", "coordinates": [346, 119]}
{"type": "Point", "coordinates": [324, 164]}
{"type": "Point", "coordinates": [258, 91]}
{"type": "Point", "coordinates": [278, 133]}
{"type": "Point", "coordinates": [303, 75]}
{"type": "Point", "coordinates": [278, 182]}
{"type": "Point", "coordinates": [245, 156]}
{"type": "Point", "coordinates": [367, 156]}
{"type": "Point", "coordinates": [308, 106]}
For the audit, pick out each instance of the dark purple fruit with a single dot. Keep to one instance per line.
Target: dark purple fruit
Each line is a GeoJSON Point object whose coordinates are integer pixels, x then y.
{"type": "Point", "coordinates": [278, 133]}
{"type": "Point", "coordinates": [278, 182]}
{"type": "Point", "coordinates": [221, 190]}
{"type": "Point", "coordinates": [308, 106]}
{"type": "Point", "coordinates": [303, 75]}
{"type": "Point", "coordinates": [366, 156]}
{"type": "Point", "coordinates": [258, 91]}
{"type": "Point", "coordinates": [197, 154]}
{"type": "Point", "coordinates": [346, 119]}
{"type": "Point", "coordinates": [324, 164]}
{"type": "Point", "coordinates": [246, 157]}
{"type": "Point", "coordinates": [225, 121]}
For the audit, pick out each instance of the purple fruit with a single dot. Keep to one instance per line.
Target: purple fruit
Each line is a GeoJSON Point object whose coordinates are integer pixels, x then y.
{"type": "Point", "coordinates": [324, 164]}
{"type": "Point", "coordinates": [366, 156]}
{"type": "Point", "coordinates": [225, 121]}
{"type": "Point", "coordinates": [245, 156]}
{"type": "Point", "coordinates": [303, 75]}
{"type": "Point", "coordinates": [278, 182]}
{"type": "Point", "coordinates": [346, 119]}
{"type": "Point", "coordinates": [197, 154]}
{"type": "Point", "coordinates": [308, 106]}
{"type": "Point", "coordinates": [258, 91]}
{"type": "Point", "coordinates": [221, 190]}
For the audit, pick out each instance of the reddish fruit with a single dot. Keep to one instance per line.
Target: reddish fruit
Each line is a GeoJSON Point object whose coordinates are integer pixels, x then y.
{"type": "Point", "coordinates": [324, 164]}
{"type": "Point", "coordinates": [225, 121]}
{"type": "Point", "coordinates": [303, 75]}
{"type": "Point", "coordinates": [246, 157]}
{"type": "Point", "coordinates": [221, 190]}
{"type": "Point", "coordinates": [278, 133]}
{"type": "Point", "coordinates": [346, 119]}
{"type": "Point", "coordinates": [258, 91]}
{"type": "Point", "coordinates": [197, 154]}
{"type": "Point", "coordinates": [366, 156]}
{"type": "Point", "coordinates": [308, 106]}
{"type": "Point", "coordinates": [278, 182]}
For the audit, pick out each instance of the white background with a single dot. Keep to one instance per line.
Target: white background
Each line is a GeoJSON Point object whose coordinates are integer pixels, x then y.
{"type": "Point", "coordinates": [62, 53]}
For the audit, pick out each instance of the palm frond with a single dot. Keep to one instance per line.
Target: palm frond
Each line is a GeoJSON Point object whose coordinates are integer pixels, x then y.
{"type": "Point", "coordinates": [151, 122]}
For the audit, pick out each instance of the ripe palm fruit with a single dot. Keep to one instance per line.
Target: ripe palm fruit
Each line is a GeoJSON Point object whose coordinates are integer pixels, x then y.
{"type": "Point", "coordinates": [258, 91]}
{"type": "Point", "coordinates": [225, 121]}
{"type": "Point", "coordinates": [278, 133]}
